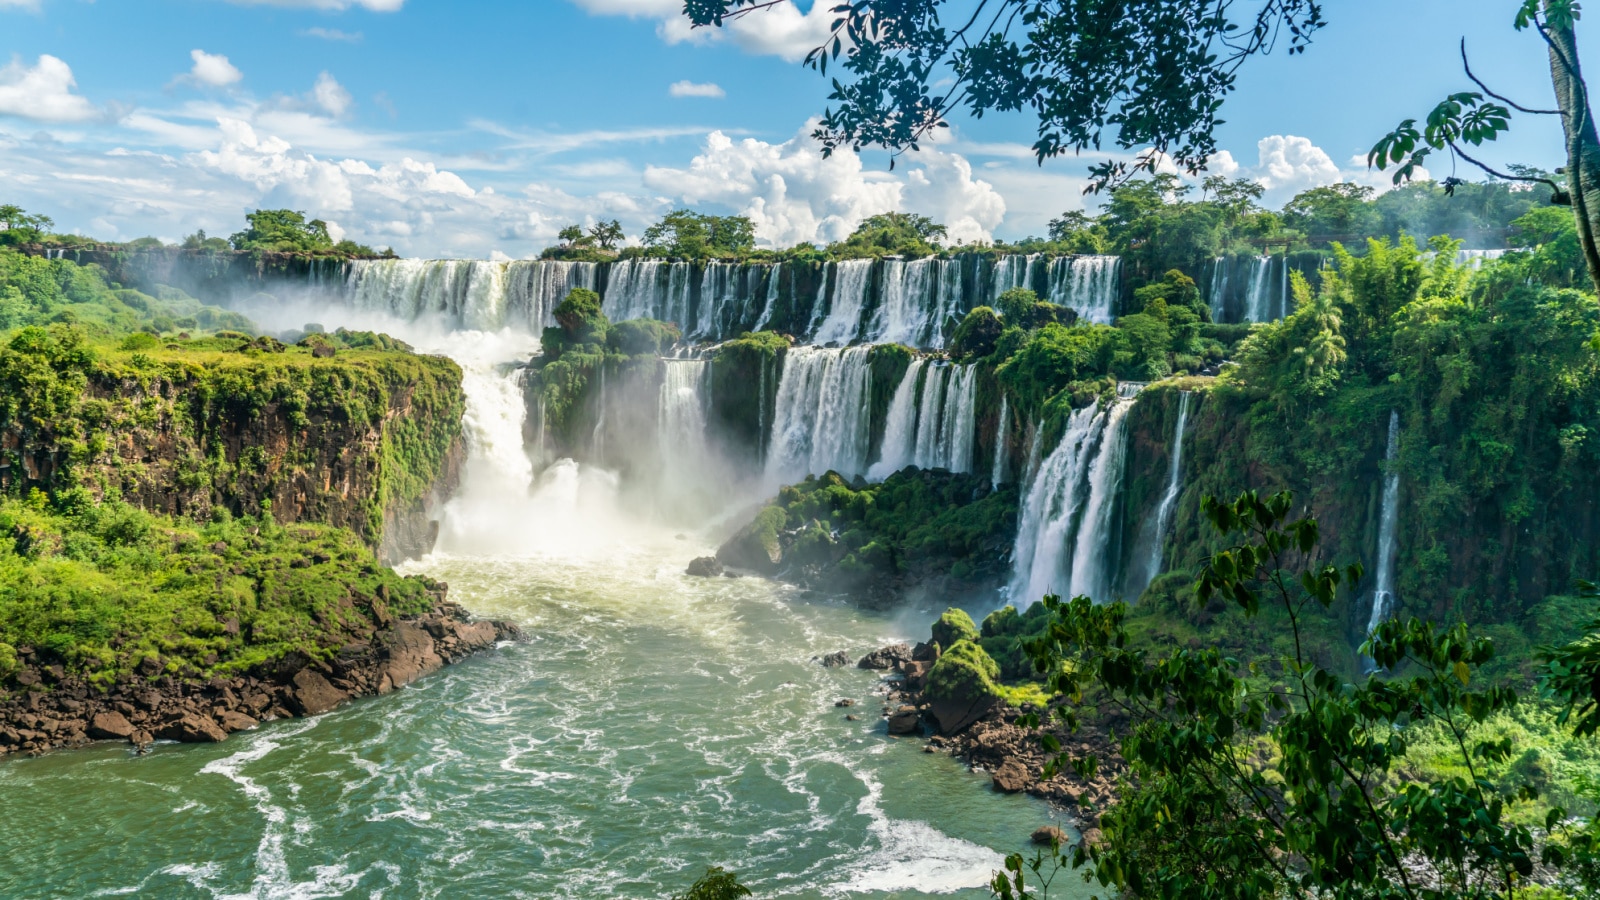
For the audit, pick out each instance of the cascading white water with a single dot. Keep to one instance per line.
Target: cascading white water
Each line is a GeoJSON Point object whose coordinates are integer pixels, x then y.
{"type": "Point", "coordinates": [772, 296]}
{"type": "Point", "coordinates": [1219, 289]}
{"type": "Point", "coordinates": [1157, 536]}
{"type": "Point", "coordinates": [534, 288]}
{"type": "Point", "coordinates": [1064, 536]}
{"type": "Point", "coordinates": [467, 294]}
{"type": "Point", "coordinates": [960, 419]}
{"type": "Point", "coordinates": [1087, 285]}
{"type": "Point", "coordinates": [1011, 272]}
{"type": "Point", "coordinates": [1002, 444]}
{"type": "Point", "coordinates": [917, 298]}
{"type": "Point", "coordinates": [852, 281]}
{"type": "Point", "coordinates": [821, 419]}
{"type": "Point", "coordinates": [900, 430]}
{"type": "Point", "coordinates": [1259, 305]}
{"type": "Point", "coordinates": [928, 452]}
{"type": "Point", "coordinates": [1388, 531]}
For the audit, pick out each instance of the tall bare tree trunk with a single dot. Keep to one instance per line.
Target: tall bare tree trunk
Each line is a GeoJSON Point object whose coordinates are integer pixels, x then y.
{"type": "Point", "coordinates": [1583, 145]}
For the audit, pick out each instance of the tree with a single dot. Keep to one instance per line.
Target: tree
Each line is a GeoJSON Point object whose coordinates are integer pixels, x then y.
{"type": "Point", "coordinates": [904, 234]}
{"type": "Point", "coordinates": [1150, 76]}
{"type": "Point", "coordinates": [1156, 77]}
{"type": "Point", "coordinates": [571, 235]}
{"type": "Point", "coordinates": [716, 884]}
{"type": "Point", "coordinates": [691, 235]}
{"type": "Point", "coordinates": [18, 227]}
{"type": "Point", "coordinates": [1207, 811]}
{"type": "Point", "coordinates": [199, 241]}
{"type": "Point", "coordinates": [1471, 119]}
{"type": "Point", "coordinates": [1339, 212]}
{"type": "Point", "coordinates": [282, 231]}
{"type": "Point", "coordinates": [607, 234]}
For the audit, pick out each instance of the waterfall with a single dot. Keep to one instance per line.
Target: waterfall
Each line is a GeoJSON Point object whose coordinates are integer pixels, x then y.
{"type": "Point", "coordinates": [1157, 537]}
{"type": "Point", "coordinates": [535, 288]}
{"type": "Point", "coordinates": [960, 419]}
{"type": "Point", "coordinates": [900, 431]}
{"type": "Point", "coordinates": [1219, 289]}
{"type": "Point", "coordinates": [926, 453]}
{"type": "Point", "coordinates": [631, 289]}
{"type": "Point", "coordinates": [685, 456]}
{"type": "Point", "coordinates": [821, 418]}
{"type": "Point", "coordinates": [1064, 537]}
{"type": "Point", "coordinates": [852, 281]}
{"type": "Point", "coordinates": [1257, 308]}
{"type": "Point", "coordinates": [772, 297]}
{"type": "Point", "coordinates": [1002, 446]}
{"type": "Point", "coordinates": [1010, 272]}
{"type": "Point", "coordinates": [1388, 530]}
{"type": "Point", "coordinates": [1087, 285]}
{"type": "Point", "coordinates": [917, 297]}
{"type": "Point", "coordinates": [598, 441]}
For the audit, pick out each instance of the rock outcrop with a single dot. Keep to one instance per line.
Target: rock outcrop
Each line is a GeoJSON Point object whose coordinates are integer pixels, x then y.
{"type": "Point", "coordinates": [58, 711]}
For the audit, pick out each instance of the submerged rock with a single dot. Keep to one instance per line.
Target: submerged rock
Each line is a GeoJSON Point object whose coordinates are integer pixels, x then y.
{"type": "Point", "coordinates": [704, 567]}
{"type": "Point", "coordinates": [835, 660]}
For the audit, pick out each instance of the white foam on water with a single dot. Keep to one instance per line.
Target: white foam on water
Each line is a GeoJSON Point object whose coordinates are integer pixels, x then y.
{"type": "Point", "coordinates": [914, 856]}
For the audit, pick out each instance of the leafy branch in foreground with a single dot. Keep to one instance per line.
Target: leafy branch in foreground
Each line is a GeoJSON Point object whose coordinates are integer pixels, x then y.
{"type": "Point", "coordinates": [1278, 778]}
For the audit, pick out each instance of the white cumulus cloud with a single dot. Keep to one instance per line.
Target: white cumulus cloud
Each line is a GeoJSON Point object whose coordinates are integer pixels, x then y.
{"type": "Point", "coordinates": [1288, 164]}
{"type": "Point", "coordinates": [781, 30]}
{"type": "Point", "coordinates": [42, 92]}
{"type": "Point", "coordinates": [793, 193]}
{"type": "Point", "coordinates": [213, 69]}
{"type": "Point", "coordinates": [691, 89]}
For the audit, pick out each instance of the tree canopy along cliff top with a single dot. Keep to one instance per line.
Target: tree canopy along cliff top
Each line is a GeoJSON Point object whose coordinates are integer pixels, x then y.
{"type": "Point", "coordinates": [1150, 77]}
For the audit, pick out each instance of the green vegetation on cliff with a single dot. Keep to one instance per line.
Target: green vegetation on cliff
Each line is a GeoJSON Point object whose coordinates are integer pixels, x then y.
{"type": "Point", "coordinates": [109, 591]}
{"type": "Point", "coordinates": [184, 426]}
{"type": "Point", "coordinates": [918, 528]}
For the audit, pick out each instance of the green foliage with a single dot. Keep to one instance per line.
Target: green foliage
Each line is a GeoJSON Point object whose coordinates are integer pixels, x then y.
{"type": "Point", "coordinates": [101, 587]}
{"type": "Point", "coordinates": [1077, 67]}
{"type": "Point", "coordinates": [1054, 359]}
{"type": "Point", "coordinates": [581, 319]}
{"type": "Point", "coordinates": [282, 231]}
{"type": "Point", "coordinates": [1335, 212]}
{"type": "Point", "coordinates": [686, 234]}
{"type": "Point", "coordinates": [916, 523]}
{"type": "Point", "coordinates": [178, 411]}
{"type": "Point", "coordinates": [37, 291]}
{"type": "Point", "coordinates": [955, 625]}
{"type": "Point", "coordinates": [1239, 790]}
{"type": "Point", "coordinates": [636, 337]}
{"type": "Point", "coordinates": [892, 234]}
{"type": "Point", "coordinates": [977, 334]}
{"type": "Point", "coordinates": [19, 227]}
{"type": "Point", "coordinates": [964, 671]}
{"type": "Point", "coordinates": [716, 884]}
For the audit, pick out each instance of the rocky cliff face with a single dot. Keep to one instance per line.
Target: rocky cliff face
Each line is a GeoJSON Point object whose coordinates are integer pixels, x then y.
{"type": "Point", "coordinates": [367, 441]}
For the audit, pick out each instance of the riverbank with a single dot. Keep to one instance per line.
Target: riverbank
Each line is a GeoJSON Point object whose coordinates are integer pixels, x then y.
{"type": "Point", "coordinates": [56, 710]}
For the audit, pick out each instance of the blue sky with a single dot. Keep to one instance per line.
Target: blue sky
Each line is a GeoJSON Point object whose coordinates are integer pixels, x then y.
{"type": "Point", "coordinates": [476, 129]}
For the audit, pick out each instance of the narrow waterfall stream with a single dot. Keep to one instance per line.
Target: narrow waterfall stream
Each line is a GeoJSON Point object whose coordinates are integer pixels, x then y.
{"type": "Point", "coordinates": [650, 726]}
{"type": "Point", "coordinates": [1388, 531]}
{"type": "Point", "coordinates": [1158, 527]}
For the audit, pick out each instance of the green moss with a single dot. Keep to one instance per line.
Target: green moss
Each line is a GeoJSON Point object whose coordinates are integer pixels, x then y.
{"type": "Point", "coordinates": [642, 337]}
{"type": "Point", "coordinates": [954, 626]}
{"type": "Point", "coordinates": [964, 670]}
{"type": "Point", "coordinates": [122, 586]}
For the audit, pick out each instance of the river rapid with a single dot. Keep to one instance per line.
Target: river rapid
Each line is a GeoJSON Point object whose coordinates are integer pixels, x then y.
{"type": "Point", "coordinates": [651, 725]}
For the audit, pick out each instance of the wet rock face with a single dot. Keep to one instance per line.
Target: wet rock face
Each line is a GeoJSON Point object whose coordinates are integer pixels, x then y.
{"type": "Point", "coordinates": [887, 658]}
{"type": "Point", "coordinates": [705, 567]}
{"type": "Point", "coordinates": [61, 712]}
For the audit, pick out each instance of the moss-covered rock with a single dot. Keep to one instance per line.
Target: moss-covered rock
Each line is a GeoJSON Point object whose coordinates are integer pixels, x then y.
{"type": "Point", "coordinates": [953, 627]}
{"type": "Point", "coordinates": [757, 547]}
{"type": "Point", "coordinates": [963, 686]}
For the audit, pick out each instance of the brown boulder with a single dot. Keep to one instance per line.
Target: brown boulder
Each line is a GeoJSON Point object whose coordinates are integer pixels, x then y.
{"type": "Point", "coordinates": [904, 720]}
{"type": "Point", "coordinates": [193, 730]}
{"type": "Point", "coordinates": [886, 658]}
{"type": "Point", "coordinates": [411, 656]}
{"type": "Point", "coordinates": [704, 567]}
{"type": "Point", "coordinates": [1050, 835]}
{"type": "Point", "coordinates": [917, 674]}
{"type": "Point", "coordinates": [313, 695]}
{"type": "Point", "coordinates": [232, 721]}
{"type": "Point", "coordinates": [110, 726]}
{"type": "Point", "coordinates": [1012, 778]}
